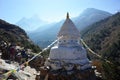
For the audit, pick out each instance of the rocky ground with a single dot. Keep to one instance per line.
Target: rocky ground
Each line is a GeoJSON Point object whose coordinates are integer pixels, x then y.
{"type": "Point", "coordinates": [26, 73]}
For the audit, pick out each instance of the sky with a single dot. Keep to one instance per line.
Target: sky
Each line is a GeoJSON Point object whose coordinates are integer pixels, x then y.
{"type": "Point", "coordinates": [51, 10]}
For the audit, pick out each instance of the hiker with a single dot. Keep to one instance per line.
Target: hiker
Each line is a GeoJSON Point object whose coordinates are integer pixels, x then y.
{"type": "Point", "coordinates": [0, 54]}
{"type": "Point", "coordinates": [12, 52]}
{"type": "Point", "coordinates": [24, 55]}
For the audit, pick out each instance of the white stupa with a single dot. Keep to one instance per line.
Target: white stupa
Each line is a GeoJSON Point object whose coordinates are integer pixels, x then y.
{"type": "Point", "coordinates": [68, 52]}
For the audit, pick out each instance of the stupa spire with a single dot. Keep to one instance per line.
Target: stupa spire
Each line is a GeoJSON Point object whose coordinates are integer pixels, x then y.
{"type": "Point", "coordinates": [69, 29]}
{"type": "Point", "coordinates": [67, 15]}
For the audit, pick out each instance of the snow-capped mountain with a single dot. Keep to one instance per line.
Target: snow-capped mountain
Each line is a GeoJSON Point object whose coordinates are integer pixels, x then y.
{"type": "Point", "coordinates": [30, 24]}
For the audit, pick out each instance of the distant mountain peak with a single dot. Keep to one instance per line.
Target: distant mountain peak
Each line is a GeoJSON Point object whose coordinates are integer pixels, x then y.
{"type": "Point", "coordinates": [30, 24]}
{"type": "Point", "coordinates": [91, 9]}
{"type": "Point", "coordinates": [35, 17]}
{"type": "Point", "coordinates": [90, 16]}
{"type": "Point", "coordinates": [94, 10]}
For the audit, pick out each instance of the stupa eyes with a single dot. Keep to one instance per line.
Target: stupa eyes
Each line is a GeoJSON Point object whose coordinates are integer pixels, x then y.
{"type": "Point", "coordinates": [71, 40]}
{"type": "Point", "coordinates": [64, 40]}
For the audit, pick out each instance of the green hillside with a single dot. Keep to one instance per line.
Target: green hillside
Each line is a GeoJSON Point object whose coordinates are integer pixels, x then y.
{"type": "Point", "coordinates": [104, 38]}
{"type": "Point", "coordinates": [10, 33]}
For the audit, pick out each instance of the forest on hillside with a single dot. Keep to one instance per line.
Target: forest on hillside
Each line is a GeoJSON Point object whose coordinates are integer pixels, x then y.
{"type": "Point", "coordinates": [104, 38]}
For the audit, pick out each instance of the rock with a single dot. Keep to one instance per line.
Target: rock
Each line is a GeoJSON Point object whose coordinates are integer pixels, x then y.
{"type": "Point", "coordinates": [27, 74]}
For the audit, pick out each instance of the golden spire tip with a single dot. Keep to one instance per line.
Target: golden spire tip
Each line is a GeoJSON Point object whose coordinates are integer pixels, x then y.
{"type": "Point", "coordinates": [67, 15]}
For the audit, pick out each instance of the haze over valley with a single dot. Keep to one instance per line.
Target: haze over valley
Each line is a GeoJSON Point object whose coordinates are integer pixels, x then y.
{"type": "Point", "coordinates": [44, 33]}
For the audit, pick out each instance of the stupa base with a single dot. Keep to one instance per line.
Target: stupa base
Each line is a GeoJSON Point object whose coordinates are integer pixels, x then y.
{"type": "Point", "coordinates": [48, 74]}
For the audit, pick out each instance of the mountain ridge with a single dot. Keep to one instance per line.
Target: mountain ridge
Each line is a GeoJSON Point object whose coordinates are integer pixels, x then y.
{"type": "Point", "coordinates": [90, 16]}
{"type": "Point", "coordinates": [50, 33]}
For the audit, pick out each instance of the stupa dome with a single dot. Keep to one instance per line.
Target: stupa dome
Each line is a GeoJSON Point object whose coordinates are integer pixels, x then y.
{"type": "Point", "coordinates": [68, 29]}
